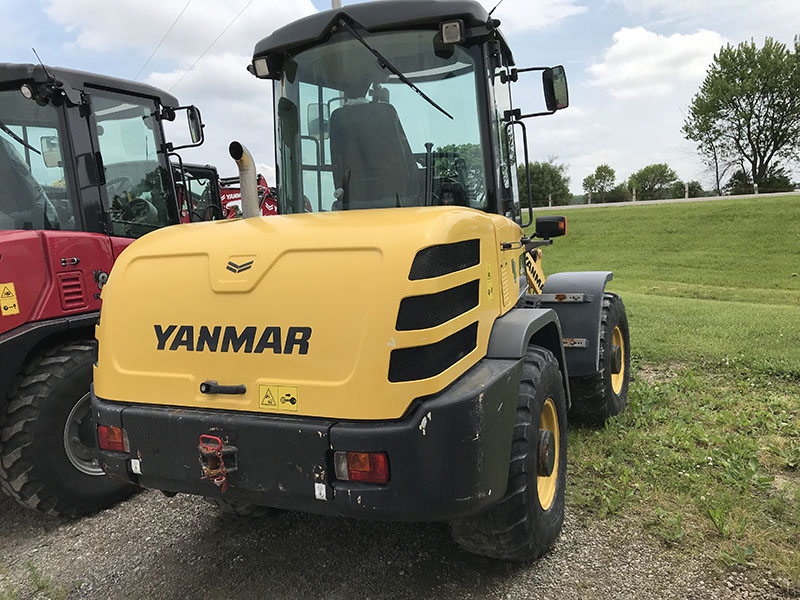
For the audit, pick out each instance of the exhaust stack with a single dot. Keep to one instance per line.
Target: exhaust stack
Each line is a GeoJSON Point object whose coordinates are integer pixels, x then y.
{"type": "Point", "coordinates": [247, 179]}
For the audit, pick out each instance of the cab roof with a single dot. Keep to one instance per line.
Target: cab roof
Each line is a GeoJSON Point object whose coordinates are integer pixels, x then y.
{"type": "Point", "coordinates": [384, 15]}
{"type": "Point", "coordinates": [80, 80]}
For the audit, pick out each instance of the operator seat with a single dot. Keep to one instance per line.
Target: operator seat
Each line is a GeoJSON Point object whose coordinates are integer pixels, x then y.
{"type": "Point", "coordinates": [371, 157]}
{"type": "Point", "coordinates": [21, 196]}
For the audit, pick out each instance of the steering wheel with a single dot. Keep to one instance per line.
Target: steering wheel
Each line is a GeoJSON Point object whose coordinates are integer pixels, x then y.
{"type": "Point", "coordinates": [212, 212]}
{"type": "Point", "coordinates": [142, 211]}
{"type": "Point", "coordinates": [118, 185]}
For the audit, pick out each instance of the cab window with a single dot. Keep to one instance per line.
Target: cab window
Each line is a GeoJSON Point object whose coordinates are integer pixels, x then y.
{"type": "Point", "coordinates": [33, 182]}
{"type": "Point", "coordinates": [135, 171]}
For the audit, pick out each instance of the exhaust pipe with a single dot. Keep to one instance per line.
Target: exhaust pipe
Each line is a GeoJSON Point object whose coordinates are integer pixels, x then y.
{"type": "Point", "coordinates": [247, 179]}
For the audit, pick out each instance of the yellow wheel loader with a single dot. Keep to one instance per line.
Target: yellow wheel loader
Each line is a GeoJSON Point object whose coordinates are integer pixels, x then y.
{"type": "Point", "coordinates": [387, 346]}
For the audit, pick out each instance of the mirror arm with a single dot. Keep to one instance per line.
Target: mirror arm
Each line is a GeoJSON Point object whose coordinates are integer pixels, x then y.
{"type": "Point", "coordinates": [171, 148]}
{"type": "Point", "coordinates": [527, 165]}
{"type": "Point", "coordinates": [538, 114]}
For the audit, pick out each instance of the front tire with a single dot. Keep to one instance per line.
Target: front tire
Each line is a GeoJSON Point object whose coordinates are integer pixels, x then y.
{"type": "Point", "coordinates": [600, 396]}
{"type": "Point", "coordinates": [47, 437]}
{"type": "Point", "coordinates": [524, 525]}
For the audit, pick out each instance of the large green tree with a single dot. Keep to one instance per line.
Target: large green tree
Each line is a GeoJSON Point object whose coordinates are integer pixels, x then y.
{"type": "Point", "coordinates": [600, 183]}
{"type": "Point", "coordinates": [747, 111]}
{"type": "Point", "coordinates": [653, 182]}
{"type": "Point", "coordinates": [546, 178]}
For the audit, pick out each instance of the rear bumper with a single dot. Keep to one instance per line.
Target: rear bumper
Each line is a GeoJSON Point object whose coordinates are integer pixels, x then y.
{"type": "Point", "coordinates": [447, 459]}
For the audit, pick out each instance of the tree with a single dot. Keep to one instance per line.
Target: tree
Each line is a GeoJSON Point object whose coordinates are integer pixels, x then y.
{"type": "Point", "coordinates": [600, 183]}
{"type": "Point", "coordinates": [777, 180]}
{"type": "Point", "coordinates": [653, 181]}
{"type": "Point", "coordinates": [678, 189]}
{"type": "Point", "coordinates": [747, 112]}
{"type": "Point", "coordinates": [621, 193]}
{"type": "Point", "coordinates": [546, 178]}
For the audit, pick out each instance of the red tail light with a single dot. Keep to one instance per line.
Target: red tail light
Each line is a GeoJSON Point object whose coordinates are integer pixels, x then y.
{"type": "Point", "coordinates": [372, 467]}
{"type": "Point", "coordinates": [112, 438]}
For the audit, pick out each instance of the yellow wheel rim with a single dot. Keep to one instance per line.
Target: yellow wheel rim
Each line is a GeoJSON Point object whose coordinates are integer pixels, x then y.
{"type": "Point", "coordinates": [617, 379]}
{"type": "Point", "coordinates": [546, 486]}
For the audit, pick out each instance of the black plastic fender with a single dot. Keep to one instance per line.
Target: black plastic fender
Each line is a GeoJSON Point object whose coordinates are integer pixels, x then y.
{"type": "Point", "coordinates": [519, 327]}
{"type": "Point", "coordinates": [580, 320]}
{"type": "Point", "coordinates": [17, 345]}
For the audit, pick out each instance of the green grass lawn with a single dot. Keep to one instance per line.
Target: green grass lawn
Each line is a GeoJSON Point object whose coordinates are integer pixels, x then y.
{"type": "Point", "coordinates": [711, 282]}
{"type": "Point", "coordinates": [706, 455]}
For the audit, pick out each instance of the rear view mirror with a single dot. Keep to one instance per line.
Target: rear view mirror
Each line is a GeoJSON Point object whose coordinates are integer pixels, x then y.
{"type": "Point", "coordinates": [556, 94]}
{"type": "Point", "coordinates": [195, 124]}
{"type": "Point", "coordinates": [550, 227]}
{"type": "Point", "coordinates": [51, 151]}
{"type": "Point", "coordinates": [318, 118]}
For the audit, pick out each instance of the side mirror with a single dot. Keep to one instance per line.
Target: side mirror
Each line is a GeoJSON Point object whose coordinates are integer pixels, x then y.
{"type": "Point", "coordinates": [550, 227]}
{"type": "Point", "coordinates": [195, 124]}
{"type": "Point", "coordinates": [318, 119]}
{"type": "Point", "coordinates": [51, 151]}
{"type": "Point", "coordinates": [556, 93]}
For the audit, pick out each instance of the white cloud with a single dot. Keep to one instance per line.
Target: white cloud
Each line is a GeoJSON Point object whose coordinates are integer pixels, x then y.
{"type": "Point", "coordinates": [518, 16]}
{"type": "Point", "coordinates": [103, 26]}
{"type": "Point", "coordinates": [234, 104]}
{"type": "Point", "coordinates": [739, 19]}
{"type": "Point", "coordinates": [641, 63]}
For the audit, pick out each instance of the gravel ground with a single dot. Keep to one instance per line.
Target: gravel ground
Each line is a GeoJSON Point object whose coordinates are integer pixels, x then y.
{"type": "Point", "coordinates": [157, 547]}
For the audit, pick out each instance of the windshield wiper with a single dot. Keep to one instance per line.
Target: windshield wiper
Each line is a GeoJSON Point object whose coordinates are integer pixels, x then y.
{"type": "Point", "coordinates": [14, 136]}
{"type": "Point", "coordinates": [385, 64]}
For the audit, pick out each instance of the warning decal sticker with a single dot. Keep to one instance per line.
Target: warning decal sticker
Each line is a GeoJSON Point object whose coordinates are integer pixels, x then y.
{"type": "Point", "coordinates": [8, 300]}
{"type": "Point", "coordinates": [279, 398]}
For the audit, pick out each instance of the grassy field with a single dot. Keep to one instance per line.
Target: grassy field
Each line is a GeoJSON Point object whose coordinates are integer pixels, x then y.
{"type": "Point", "coordinates": [706, 456]}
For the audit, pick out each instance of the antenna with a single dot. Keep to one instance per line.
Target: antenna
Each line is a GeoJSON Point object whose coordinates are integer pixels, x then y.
{"type": "Point", "coordinates": [495, 7]}
{"type": "Point", "coordinates": [48, 73]}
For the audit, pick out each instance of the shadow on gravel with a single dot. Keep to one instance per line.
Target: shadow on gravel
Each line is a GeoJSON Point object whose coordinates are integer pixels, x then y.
{"type": "Point", "coordinates": [298, 555]}
{"type": "Point", "coordinates": [158, 548]}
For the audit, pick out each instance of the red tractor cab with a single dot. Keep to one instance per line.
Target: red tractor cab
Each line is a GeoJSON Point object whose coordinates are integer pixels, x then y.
{"type": "Point", "coordinates": [84, 170]}
{"type": "Point", "coordinates": [199, 196]}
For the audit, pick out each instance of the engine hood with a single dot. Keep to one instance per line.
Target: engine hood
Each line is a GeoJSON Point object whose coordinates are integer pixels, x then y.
{"type": "Point", "coordinates": [340, 315]}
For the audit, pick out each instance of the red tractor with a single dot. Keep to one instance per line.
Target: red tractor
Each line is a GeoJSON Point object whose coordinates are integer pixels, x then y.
{"type": "Point", "coordinates": [84, 170]}
{"type": "Point", "coordinates": [231, 196]}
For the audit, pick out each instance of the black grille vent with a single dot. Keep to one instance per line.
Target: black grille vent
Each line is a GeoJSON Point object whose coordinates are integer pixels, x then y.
{"type": "Point", "coordinates": [436, 261]}
{"type": "Point", "coordinates": [421, 362]}
{"type": "Point", "coordinates": [430, 310]}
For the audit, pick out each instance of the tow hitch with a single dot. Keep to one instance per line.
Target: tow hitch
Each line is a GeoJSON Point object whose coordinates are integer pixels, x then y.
{"type": "Point", "coordinates": [217, 460]}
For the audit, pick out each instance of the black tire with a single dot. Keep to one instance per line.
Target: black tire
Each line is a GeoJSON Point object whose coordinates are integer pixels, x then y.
{"type": "Point", "coordinates": [240, 509]}
{"type": "Point", "coordinates": [518, 527]}
{"type": "Point", "coordinates": [594, 397]}
{"type": "Point", "coordinates": [35, 468]}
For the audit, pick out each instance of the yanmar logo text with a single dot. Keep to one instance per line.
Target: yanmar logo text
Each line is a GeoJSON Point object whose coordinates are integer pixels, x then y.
{"type": "Point", "coordinates": [231, 339]}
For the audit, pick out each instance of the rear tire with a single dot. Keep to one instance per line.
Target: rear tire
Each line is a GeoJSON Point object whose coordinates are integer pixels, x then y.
{"type": "Point", "coordinates": [526, 522]}
{"type": "Point", "coordinates": [600, 396]}
{"type": "Point", "coordinates": [47, 437]}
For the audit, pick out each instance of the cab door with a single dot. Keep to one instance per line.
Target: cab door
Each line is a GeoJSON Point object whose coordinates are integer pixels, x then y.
{"type": "Point", "coordinates": [135, 182]}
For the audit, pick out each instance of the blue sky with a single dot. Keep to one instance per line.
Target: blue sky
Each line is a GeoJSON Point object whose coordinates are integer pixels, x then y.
{"type": "Point", "coordinates": [633, 65]}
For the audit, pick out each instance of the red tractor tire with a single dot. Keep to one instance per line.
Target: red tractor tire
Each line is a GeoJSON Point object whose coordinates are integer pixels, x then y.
{"type": "Point", "coordinates": [47, 436]}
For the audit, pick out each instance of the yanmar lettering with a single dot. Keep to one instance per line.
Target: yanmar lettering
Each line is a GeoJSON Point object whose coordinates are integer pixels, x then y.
{"type": "Point", "coordinates": [231, 339]}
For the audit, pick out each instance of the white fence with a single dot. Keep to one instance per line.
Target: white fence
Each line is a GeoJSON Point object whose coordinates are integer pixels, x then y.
{"type": "Point", "coordinates": [668, 201]}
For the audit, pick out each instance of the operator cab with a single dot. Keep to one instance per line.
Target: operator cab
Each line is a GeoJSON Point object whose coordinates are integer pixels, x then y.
{"type": "Point", "coordinates": [85, 152]}
{"type": "Point", "coordinates": [395, 104]}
